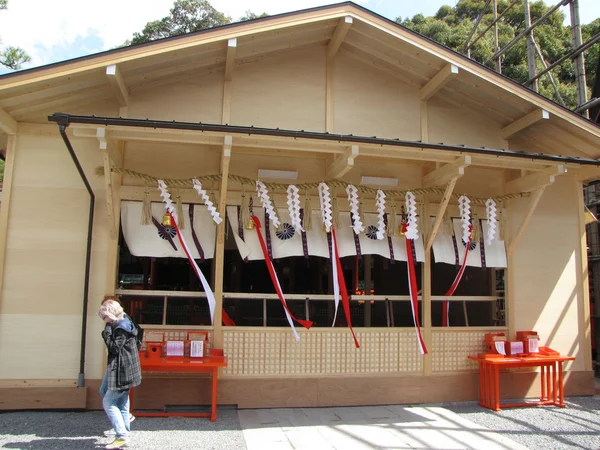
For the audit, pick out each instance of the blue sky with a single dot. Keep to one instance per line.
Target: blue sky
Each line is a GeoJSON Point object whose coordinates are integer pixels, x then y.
{"type": "Point", "coordinates": [71, 28]}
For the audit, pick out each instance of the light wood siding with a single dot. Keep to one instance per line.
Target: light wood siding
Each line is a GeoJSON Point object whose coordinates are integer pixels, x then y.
{"type": "Point", "coordinates": [544, 282]}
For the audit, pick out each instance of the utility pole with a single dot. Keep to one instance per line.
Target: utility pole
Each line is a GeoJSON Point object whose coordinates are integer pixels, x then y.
{"type": "Point", "coordinates": [496, 46]}
{"type": "Point", "coordinates": [530, 46]}
{"type": "Point", "coordinates": [579, 59]}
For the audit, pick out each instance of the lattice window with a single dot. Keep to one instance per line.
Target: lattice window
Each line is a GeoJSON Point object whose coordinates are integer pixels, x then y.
{"type": "Point", "coordinates": [450, 350]}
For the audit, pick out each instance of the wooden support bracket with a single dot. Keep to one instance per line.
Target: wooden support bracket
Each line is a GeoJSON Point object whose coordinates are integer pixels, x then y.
{"type": "Point", "coordinates": [535, 180]}
{"type": "Point", "coordinates": [442, 78]}
{"type": "Point", "coordinates": [535, 199]}
{"type": "Point", "coordinates": [118, 84]}
{"type": "Point", "coordinates": [338, 36]}
{"type": "Point", "coordinates": [7, 123]}
{"type": "Point", "coordinates": [342, 163]}
{"type": "Point", "coordinates": [447, 172]}
{"type": "Point", "coordinates": [107, 144]}
{"type": "Point", "coordinates": [440, 214]}
{"type": "Point", "coordinates": [524, 122]}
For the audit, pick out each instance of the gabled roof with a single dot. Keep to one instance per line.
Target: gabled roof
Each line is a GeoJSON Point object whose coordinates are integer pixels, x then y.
{"type": "Point", "coordinates": [31, 95]}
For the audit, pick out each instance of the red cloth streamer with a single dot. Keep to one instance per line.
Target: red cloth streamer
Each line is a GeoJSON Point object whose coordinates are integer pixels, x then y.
{"type": "Point", "coordinates": [414, 299]}
{"type": "Point", "coordinates": [224, 316]}
{"type": "Point", "coordinates": [446, 303]}
{"type": "Point", "coordinates": [343, 290]}
{"type": "Point", "coordinates": [305, 323]}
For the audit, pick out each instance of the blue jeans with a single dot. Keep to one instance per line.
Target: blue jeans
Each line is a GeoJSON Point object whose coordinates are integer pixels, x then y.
{"type": "Point", "coordinates": [116, 406]}
{"type": "Point", "coordinates": [104, 385]}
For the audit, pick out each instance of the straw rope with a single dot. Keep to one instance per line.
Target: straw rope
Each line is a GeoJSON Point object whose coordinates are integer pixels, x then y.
{"type": "Point", "coordinates": [187, 183]}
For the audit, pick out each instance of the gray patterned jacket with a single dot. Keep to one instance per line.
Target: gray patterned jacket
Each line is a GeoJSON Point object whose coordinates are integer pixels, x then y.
{"type": "Point", "coordinates": [124, 370]}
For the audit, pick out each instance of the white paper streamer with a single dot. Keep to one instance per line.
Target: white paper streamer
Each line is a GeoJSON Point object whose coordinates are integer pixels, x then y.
{"type": "Point", "coordinates": [325, 201]}
{"type": "Point", "coordinates": [210, 296]}
{"type": "Point", "coordinates": [380, 203]}
{"type": "Point", "coordinates": [263, 194]}
{"type": "Point", "coordinates": [357, 224]}
{"type": "Point", "coordinates": [490, 210]}
{"type": "Point", "coordinates": [412, 228]}
{"type": "Point", "coordinates": [211, 207]}
{"type": "Point", "coordinates": [464, 207]}
{"type": "Point", "coordinates": [293, 203]}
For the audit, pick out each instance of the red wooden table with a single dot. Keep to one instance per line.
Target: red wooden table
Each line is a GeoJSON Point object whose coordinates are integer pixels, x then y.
{"type": "Point", "coordinates": [551, 378]}
{"type": "Point", "coordinates": [211, 364]}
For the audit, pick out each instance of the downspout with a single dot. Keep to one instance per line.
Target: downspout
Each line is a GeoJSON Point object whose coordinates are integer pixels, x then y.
{"type": "Point", "coordinates": [62, 125]}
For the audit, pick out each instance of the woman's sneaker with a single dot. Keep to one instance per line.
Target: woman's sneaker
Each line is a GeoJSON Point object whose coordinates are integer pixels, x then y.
{"type": "Point", "coordinates": [111, 432]}
{"type": "Point", "coordinates": [117, 443]}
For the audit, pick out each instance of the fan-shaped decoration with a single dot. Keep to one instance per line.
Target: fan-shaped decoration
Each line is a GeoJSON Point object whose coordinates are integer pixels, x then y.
{"type": "Point", "coordinates": [287, 232]}
{"type": "Point", "coordinates": [472, 244]}
{"type": "Point", "coordinates": [168, 229]}
{"type": "Point", "coordinates": [372, 232]}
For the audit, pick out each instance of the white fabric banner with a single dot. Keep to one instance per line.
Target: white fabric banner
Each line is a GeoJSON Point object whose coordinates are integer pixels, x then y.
{"type": "Point", "coordinates": [144, 240]}
{"type": "Point", "coordinates": [443, 248]}
{"type": "Point", "coordinates": [316, 238]}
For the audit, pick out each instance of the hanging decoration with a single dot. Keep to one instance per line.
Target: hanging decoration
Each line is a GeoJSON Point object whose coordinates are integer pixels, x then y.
{"type": "Point", "coordinates": [412, 230]}
{"type": "Point", "coordinates": [475, 230]}
{"type": "Point", "coordinates": [357, 224]}
{"type": "Point", "coordinates": [465, 217]}
{"type": "Point", "coordinates": [179, 209]}
{"type": "Point", "coordinates": [380, 203]}
{"type": "Point", "coordinates": [194, 235]}
{"type": "Point", "coordinates": [464, 209]}
{"type": "Point", "coordinates": [392, 224]}
{"type": "Point", "coordinates": [210, 297]}
{"type": "Point", "coordinates": [209, 204]}
{"type": "Point", "coordinates": [263, 195]}
{"type": "Point", "coordinates": [335, 211]}
{"type": "Point", "coordinates": [307, 215]}
{"type": "Point", "coordinates": [293, 203]}
{"type": "Point", "coordinates": [325, 202]}
{"type": "Point", "coordinates": [490, 212]}
{"type": "Point", "coordinates": [290, 317]}
{"type": "Point", "coordinates": [146, 218]}
{"type": "Point", "coordinates": [413, 290]}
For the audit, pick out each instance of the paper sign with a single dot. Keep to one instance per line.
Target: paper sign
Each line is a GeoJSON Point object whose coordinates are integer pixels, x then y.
{"type": "Point", "coordinates": [175, 348]}
{"type": "Point", "coordinates": [196, 349]}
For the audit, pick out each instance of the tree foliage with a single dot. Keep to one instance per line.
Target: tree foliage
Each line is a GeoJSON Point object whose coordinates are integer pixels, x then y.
{"type": "Point", "coordinates": [12, 57]}
{"type": "Point", "coordinates": [451, 27]}
{"type": "Point", "coordinates": [186, 16]}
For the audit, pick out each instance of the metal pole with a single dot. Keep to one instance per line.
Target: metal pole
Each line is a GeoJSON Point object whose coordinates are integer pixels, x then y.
{"type": "Point", "coordinates": [539, 52]}
{"type": "Point", "coordinates": [588, 105]}
{"type": "Point", "coordinates": [526, 30]}
{"type": "Point", "coordinates": [579, 60]}
{"type": "Point", "coordinates": [530, 46]}
{"type": "Point", "coordinates": [496, 46]}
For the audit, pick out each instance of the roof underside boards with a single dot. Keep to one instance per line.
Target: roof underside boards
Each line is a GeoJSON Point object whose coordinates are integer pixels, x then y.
{"type": "Point", "coordinates": [385, 46]}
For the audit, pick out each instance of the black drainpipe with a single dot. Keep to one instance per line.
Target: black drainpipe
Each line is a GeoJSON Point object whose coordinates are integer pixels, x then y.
{"type": "Point", "coordinates": [62, 125]}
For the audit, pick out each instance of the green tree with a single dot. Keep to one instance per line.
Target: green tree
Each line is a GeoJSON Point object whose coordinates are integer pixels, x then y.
{"type": "Point", "coordinates": [12, 57]}
{"type": "Point", "coordinates": [451, 27]}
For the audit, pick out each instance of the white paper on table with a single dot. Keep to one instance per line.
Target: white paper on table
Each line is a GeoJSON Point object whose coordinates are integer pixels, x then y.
{"type": "Point", "coordinates": [500, 347]}
{"type": "Point", "coordinates": [174, 348]}
{"type": "Point", "coordinates": [196, 349]}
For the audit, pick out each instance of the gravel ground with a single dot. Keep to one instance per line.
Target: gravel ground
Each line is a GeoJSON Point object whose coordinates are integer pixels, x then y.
{"type": "Point", "coordinates": [37, 430]}
{"type": "Point", "coordinates": [575, 427]}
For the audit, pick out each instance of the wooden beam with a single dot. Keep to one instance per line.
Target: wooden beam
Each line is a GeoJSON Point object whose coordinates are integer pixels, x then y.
{"type": "Point", "coordinates": [535, 199]}
{"type": "Point", "coordinates": [7, 123]}
{"type": "Point", "coordinates": [524, 122]}
{"type": "Point", "coordinates": [339, 34]}
{"type": "Point", "coordinates": [447, 172]}
{"type": "Point", "coordinates": [534, 181]}
{"type": "Point", "coordinates": [438, 82]}
{"type": "Point", "coordinates": [440, 214]}
{"type": "Point", "coordinates": [230, 59]}
{"type": "Point", "coordinates": [342, 163]}
{"type": "Point", "coordinates": [220, 246]}
{"type": "Point", "coordinates": [118, 84]}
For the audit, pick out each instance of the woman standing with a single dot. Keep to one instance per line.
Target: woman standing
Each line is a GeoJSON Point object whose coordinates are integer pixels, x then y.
{"type": "Point", "coordinates": [123, 370]}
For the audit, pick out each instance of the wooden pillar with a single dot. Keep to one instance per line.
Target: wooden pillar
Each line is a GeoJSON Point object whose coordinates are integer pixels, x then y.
{"type": "Point", "coordinates": [113, 192]}
{"type": "Point", "coordinates": [579, 62]}
{"type": "Point", "coordinates": [219, 258]}
{"type": "Point", "coordinates": [530, 47]}
{"type": "Point", "coordinates": [426, 290]}
{"type": "Point", "coordinates": [496, 47]}
{"type": "Point", "coordinates": [9, 164]}
{"type": "Point", "coordinates": [583, 285]}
